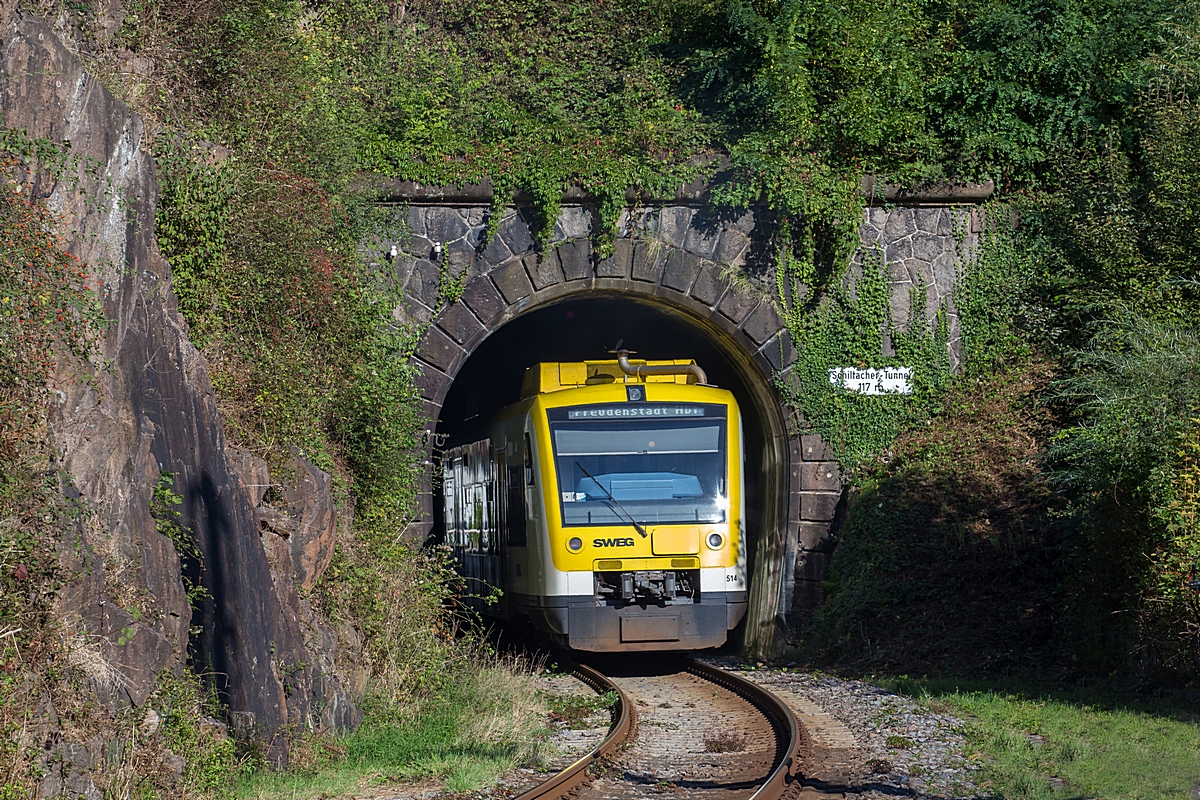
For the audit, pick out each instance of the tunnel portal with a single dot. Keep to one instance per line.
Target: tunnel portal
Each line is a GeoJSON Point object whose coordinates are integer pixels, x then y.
{"type": "Point", "coordinates": [492, 305]}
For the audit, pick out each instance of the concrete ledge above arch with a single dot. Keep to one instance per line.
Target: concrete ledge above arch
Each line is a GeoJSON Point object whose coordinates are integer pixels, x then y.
{"type": "Point", "coordinates": [695, 193]}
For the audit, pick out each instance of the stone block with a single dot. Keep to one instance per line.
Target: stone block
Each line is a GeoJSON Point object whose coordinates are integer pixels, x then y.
{"type": "Point", "coordinates": [430, 412]}
{"type": "Point", "coordinates": [814, 536]}
{"type": "Point", "coordinates": [899, 250]}
{"type": "Point", "coordinates": [459, 254]}
{"type": "Point", "coordinates": [483, 299]}
{"type": "Point", "coordinates": [430, 381]}
{"type": "Point", "coordinates": [780, 351]}
{"type": "Point", "coordinates": [813, 448]}
{"type": "Point", "coordinates": [644, 223]}
{"type": "Point", "coordinates": [473, 216]}
{"type": "Point", "coordinates": [576, 259]}
{"type": "Point", "coordinates": [708, 286]}
{"type": "Point", "coordinates": [516, 234]}
{"type": "Point", "coordinates": [819, 506]}
{"type": "Point", "coordinates": [807, 596]}
{"type": "Point", "coordinates": [673, 224]}
{"type": "Point", "coordinates": [675, 297]}
{"type": "Point", "coordinates": [703, 237]}
{"type": "Point", "coordinates": [418, 246]}
{"type": "Point", "coordinates": [680, 270]}
{"type": "Point", "coordinates": [618, 264]}
{"type": "Point", "coordinates": [459, 322]}
{"type": "Point", "coordinates": [543, 270]}
{"type": "Point", "coordinates": [423, 283]}
{"type": "Point", "coordinates": [733, 245]}
{"type": "Point", "coordinates": [926, 246]}
{"type": "Point", "coordinates": [763, 363]}
{"type": "Point", "coordinates": [512, 281]}
{"type": "Point", "coordinates": [737, 304]}
{"type": "Point", "coordinates": [555, 291]}
{"type": "Point", "coordinates": [812, 565]}
{"type": "Point", "coordinates": [416, 220]}
{"type": "Point", "coordinates": [411, 310]}
{"type": "Point", "coordinates": [945, 273]}
{"type": "Point", "coordinates": [928, 219]}
{"type": "Point", "coordinates": [920, 270]}
{"type": "Point", "coordinates": [763, 323]}
{"type": "Point", "coordinates": [439, 349]}
{"type": "Point", "coordinates": [574, 222]}
{"type": "Point", "coordinates": [444, 224]}
{"type": "Point", "coordinates": [496, 252]}
{"type": "Point", "coordinates": [900, 223]}
{"type": "Point", "coordinates": [820, 476]}
{"type": "Point", "coordinates": [648, 258]}
{"type": "Point", "coordinates": [746, 222]}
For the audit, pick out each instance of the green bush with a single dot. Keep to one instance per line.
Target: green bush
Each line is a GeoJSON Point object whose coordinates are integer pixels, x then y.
{"type": "Point", "coordinates": [1128, 467]}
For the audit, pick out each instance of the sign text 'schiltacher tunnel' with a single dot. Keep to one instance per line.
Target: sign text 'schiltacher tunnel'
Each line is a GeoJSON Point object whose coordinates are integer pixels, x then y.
{"type": "Point", "coordinates": [665, 291]}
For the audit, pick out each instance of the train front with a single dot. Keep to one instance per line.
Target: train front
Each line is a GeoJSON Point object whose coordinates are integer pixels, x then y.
{"type": "Point", "coordinates": [643, 496]}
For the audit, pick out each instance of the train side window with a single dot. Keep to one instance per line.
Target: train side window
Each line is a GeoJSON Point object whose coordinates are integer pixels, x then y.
{"type": "Point", "coordinates": [515, 516]}
{"type": "Point", "coordinates": [528, 462]}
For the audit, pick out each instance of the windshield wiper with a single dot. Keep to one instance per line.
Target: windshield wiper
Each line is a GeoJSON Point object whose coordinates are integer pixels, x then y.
{"type": "Point", "coordinates": [616, 502]}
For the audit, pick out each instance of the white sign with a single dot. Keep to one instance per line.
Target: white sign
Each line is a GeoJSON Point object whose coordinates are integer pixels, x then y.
{"type": "Point", "coordinates": [889, 380]}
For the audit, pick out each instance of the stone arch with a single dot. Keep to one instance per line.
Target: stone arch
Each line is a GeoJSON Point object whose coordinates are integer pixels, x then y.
{"type": "Point", "coordinates": [670, 257]}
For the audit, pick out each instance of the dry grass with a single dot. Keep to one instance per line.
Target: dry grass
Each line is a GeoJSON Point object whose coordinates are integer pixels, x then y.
{"type": "Point", "coordinates": [508, 706]}
{"type": "Point", "coordinates": [86, 654]}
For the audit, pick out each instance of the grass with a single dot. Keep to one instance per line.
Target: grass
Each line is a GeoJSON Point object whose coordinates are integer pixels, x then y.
{"type": "Point", "coordinates": [478, 729]}
{"type": "Point", "coordinates": [574, 711]}
{"type": "Point", "coordinates": [1046, 744]}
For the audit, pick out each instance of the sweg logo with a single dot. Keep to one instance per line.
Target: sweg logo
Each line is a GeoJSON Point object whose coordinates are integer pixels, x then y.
{"type": "Point", "coordinates": [613, 542]}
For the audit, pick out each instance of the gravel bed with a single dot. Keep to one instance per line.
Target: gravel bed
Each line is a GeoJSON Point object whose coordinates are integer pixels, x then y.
{"type": "Point", "coordinates": [904, 748]}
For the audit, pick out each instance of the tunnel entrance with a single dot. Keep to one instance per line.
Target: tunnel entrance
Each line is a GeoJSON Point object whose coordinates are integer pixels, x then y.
{"type": "Point", "coordinates": [586, 328]}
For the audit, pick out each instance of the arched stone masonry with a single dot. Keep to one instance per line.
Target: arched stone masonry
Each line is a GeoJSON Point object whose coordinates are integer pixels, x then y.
{"type": "Point", "coordinates": [678, 256]}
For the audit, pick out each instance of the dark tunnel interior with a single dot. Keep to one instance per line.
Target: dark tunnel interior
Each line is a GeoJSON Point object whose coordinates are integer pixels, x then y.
{"type": "Point", "coordinates": [586, 329]}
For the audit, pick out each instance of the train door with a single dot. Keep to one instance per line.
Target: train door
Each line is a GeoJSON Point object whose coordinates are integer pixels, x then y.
{"type": "Point", "coordinates": [500, 481]}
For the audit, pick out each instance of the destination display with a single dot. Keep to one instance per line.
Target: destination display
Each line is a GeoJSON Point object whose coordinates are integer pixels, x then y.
{"type": "Point", "coordinates": [631, 411]}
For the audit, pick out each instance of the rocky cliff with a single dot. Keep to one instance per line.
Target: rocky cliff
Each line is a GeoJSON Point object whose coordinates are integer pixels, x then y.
{"type": "Point", "coordinates": [145, 411]}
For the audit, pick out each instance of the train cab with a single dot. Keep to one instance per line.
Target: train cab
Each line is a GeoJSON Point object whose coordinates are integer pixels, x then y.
{"type": "Point", "coordinates": [606, 506]}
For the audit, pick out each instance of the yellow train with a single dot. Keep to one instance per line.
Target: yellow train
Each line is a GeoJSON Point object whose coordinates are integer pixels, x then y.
{"type": "Point", "coordinates": [607, 506]}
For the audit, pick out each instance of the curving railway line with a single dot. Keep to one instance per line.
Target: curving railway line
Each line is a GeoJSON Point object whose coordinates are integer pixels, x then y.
{"type": "Point", "coordinates": [691, 730]}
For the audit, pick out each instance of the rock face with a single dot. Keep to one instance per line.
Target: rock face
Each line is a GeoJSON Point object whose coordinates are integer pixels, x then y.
{"type": "Point", "coordinates": [152, 412]}
{"type": "Point", "coordinates": [310, 503]}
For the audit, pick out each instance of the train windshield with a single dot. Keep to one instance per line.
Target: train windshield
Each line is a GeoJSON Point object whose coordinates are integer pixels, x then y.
{"type": "Point", "coordinates": [657, 463]}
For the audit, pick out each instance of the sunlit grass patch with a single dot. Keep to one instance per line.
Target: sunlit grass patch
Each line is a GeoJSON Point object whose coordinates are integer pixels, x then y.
{"type": "Point", "coordinates": [476, 730]}
{"type": "Point", "coordinates": [1042, 747]}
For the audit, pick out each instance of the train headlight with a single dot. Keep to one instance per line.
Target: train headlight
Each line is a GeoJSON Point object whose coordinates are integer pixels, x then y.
{"type": "Point", "coordinates": [715, 540]}
{"type": "Point", "coordinates": [575, 544]}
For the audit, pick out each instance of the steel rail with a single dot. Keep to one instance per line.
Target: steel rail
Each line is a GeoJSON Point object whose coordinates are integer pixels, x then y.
{"type": "Point", "coordinates": [789, 735]}
{"type": "Point", "coordinates": [576, 775]}
{"type": "Point", "coordinates": [783, 781]}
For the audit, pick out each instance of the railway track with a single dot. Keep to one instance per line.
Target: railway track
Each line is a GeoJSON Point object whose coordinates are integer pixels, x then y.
{"type": "Point", "coordinates": [692, 730]}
